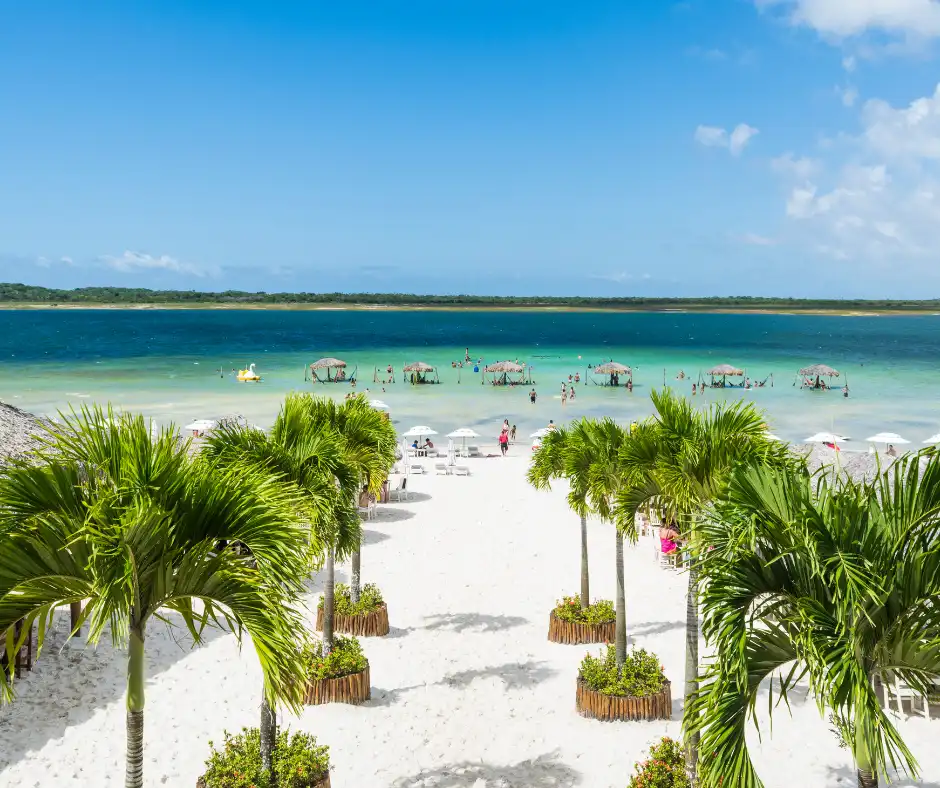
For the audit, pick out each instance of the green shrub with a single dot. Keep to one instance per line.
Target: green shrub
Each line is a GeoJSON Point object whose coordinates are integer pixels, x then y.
{"type": "Point", "coordinates": [345, 659]}
{"type": "Point", "coordinates": [370, 600]}
{"type": "Point", "coordinates": [642, 674]}
{"type": "Point", "coordinates": [665, 768]}
{"type": "Point", "coordinates": [299, 762]}
{"type": "Point", "coordinates": [600, 612]}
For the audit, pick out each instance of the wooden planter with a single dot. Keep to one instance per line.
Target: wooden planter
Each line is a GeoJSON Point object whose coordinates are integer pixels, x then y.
{"type": "Point", "coordinates": [374, 624]}
{"type": "Point", "coordinates": [355, 688]}
{"type": "Point", "coordinates": [613, 707]}
{"type": "Point", "coordinates": [323, 783]}
{"type": "Point", "coordinates": [574, 632]}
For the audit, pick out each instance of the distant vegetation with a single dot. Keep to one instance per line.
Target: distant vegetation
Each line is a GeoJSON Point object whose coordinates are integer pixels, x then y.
{"type": "Point", "coordinates": [27, 294]}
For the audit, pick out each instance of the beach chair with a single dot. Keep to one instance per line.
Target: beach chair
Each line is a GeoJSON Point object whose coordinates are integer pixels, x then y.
{"type": "Point", "coordinates": [440, 468]}
{"type": "Point", "coordinates": [461, 470]}
{"type": "Point", "coordinates": [473, 451]}
{"type": "Point", "coordinates": [671, 560]}
{"type": "Point", "coordinates": [416, 467]}
{"type": "Point", "coordinates": [367, 507]}
{"type": "Point", "coordinates": [902, 691]}
{"type": "Point", "coordinates": [400, 490]}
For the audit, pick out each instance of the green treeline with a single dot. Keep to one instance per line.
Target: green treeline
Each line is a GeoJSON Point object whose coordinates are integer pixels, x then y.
{"type": "Point", "coordinates": [28, 294]}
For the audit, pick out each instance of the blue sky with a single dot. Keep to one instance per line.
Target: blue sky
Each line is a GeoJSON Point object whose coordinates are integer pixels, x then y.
{"type": "Point", "coordinates": [766, 147]}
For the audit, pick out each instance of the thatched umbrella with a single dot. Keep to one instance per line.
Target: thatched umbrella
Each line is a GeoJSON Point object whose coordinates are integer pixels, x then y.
{"type": "Point", "coordinates": [726, 371]}
{"type": "Point", "coordinates": [612, 368]}
{"type": "Point", "coordinates": [858, 466]}
{"type": "Point", "coordinates": [504, 367]}
{"type": "Point", "coordinates": [328, 363]}
{"type": "Point", "coordinates": [18, 431]}
{"type": "Point", "coordinates": [418, 366]}
{"type": "Point", "coordinates": [819, 370]}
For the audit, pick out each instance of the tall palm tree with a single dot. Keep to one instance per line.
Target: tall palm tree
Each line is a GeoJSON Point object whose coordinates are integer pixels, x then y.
{"type": "Point", "coordinates": [595, 454]}
{"type": "Point", "coordinates": [310, 459]}
{"type": "Point", "coordinates": [678, 461]}
{"type": "Point", "coordinates": [368, 443]}
{"type": "Point", "coordinates": [551, 461]}
{"type": "Point", "coordinates": [132, 524]}
{"type": "Point", "coordinates": [824, 579]}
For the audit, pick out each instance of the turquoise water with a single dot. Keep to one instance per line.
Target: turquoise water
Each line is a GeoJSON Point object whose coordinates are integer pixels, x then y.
{"type": "Point", "coordinates": [166, 363]}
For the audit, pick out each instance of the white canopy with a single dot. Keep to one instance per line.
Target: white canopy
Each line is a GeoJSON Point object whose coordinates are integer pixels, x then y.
{"type": "Point", "coordinates": [886, 437]}
{"type": "Point", "coordinates": [378, 404]}
{"type": "Point", "coordinates": [418, 432]}
{"type": "Point", "coordinates": [933, 438]}
{"type": "Point", "coordinates": [772, 437]}
{"type": "Point", "coordinates": [826, 437]}
{"type": "Point", "coordinates": [463, 432]}
{"type": "Point", "coordinates": [541, 433]}
{"type": "Point", "coordinates": [200, 425]}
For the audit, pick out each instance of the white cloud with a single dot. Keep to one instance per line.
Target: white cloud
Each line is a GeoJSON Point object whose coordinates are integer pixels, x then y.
{"type": "Point", "coordinates": [132, 262]}
{"type": "Point", "coordinates": [753, 239]}
{"type": "Point", "coordinates": [849, 96]}
{"type": "Point", "coordinates": [878, 197]}
{"type": "Point", "coordinates": [621, 276]}
{"type": "Point", "coordinates": [66, 260]}
{"type": "Point", "coordinates": [849, 63]}
{"type": "Point", "coordinates": [717, 137]}
{"type": "Point", "coordinates": [848, 18]}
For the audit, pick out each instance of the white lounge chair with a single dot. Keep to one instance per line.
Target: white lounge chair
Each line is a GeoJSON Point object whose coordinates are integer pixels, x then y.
{"type": "Point", "coordinates": [901, 691]}
{"type": "Point", "coordinates": [461, 470]}
{"type": "Point", "coordinates": [440, 468]}
{"type": "Point", "coordinates": [400, 490]}
{"type": "Point", "coordinates": [416, 467]}
{"type": "Point", "coordinates": [473, 451]}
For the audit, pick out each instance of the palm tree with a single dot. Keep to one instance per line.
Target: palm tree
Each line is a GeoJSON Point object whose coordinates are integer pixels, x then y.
{"type": "Point", "coordinates": [368, 444]}
{"type": "Point", "coordinates": [678, 461]}
{"type": "Point", "coordinates": [553, 460]}
{"type": "Point", "coordinates": [825, 579]}
{"type": "Point", "coordinates": [310, 459]}
{"type": "Point", "coordinates": [132, 524]}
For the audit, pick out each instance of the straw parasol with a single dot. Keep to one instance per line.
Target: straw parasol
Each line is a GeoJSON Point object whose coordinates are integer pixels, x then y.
{"type": "Point", "coordinates": [18, 430]}
{"type": "Point", "coordinates": [419, 366]}
{"type": "Point", "coordinates": [504, 366]}
{"type": "Point", "coordinates": [819, 370]}
{"type": "Point", "coordinates": [725, 370]}
{"type": "Point", "coordinates": [612, 368]}
{"type": "Point", "coordinates": [328, 363]}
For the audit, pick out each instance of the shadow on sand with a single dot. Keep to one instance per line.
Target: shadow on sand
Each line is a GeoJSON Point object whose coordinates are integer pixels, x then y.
{"type": "Point", "coordinates": [384, 514]}
{"type": "Point", "coordinates": [71, 680]}
{"type": "Point", "coordinates": [546, 771]}
{"type": "Point", "coordinates": [480, 622]}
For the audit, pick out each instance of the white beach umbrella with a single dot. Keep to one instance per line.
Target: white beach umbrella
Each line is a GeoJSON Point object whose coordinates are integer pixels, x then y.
{"type": "Point", "coordinates": [378, 404]}
{"type": "Point", "coordinates": [463, 432]}
{"type": "Point", "coordinates": [201, 425]}
{"type": "Point", "coordinates": [826, 437]}
{"type": "Point", "coordinates": [770, 436]}
{"type": "Point", "coordinates": [419, 432]}
{"type": "Point", "coordinates": [933, 438]}
{"type": "Point", "coordinates": [886, 437]}
{"type": "Point", "coordinates": [540, 433]}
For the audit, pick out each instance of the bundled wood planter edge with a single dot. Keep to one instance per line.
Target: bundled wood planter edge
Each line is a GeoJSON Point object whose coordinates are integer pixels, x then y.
{"type": "Point", "coordinates": [324, 782]}
{"type": "Point", "coordinates": [598, 706]}
{"type": "Point", "coordinates": [576, 632]}
{"type": "Point", "coordinates": [374, 624]}
{"type": "Point", "coordinates": [355, 688]}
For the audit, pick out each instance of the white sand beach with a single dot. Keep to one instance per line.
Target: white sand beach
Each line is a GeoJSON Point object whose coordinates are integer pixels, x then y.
{"type": "Point", "coordinates": [466, 690]}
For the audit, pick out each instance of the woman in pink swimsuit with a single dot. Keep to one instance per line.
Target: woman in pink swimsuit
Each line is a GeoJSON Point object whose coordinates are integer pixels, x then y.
{"type": "Point", "coordinates": [668, 538]}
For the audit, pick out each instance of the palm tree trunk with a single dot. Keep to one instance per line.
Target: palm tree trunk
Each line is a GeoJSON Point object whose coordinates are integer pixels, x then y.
{"type": "Point", "coordinates": [867, 779]}
{"type": "Point", "coordinates": [621, 627]}
{"type": "Point", "coordinates": [691, 667]}
{"type": "Point", "coordinates": [354, 582]}
{"type": "Point", "coordinates": [328, 601]}
{"type": "Point", "coordinates": [75, 613]}
{"type": "Point", "coordinates": [134, 764]}
{"type": "Point", "coordinates": [585, 582]}
{"type": "Point", "coordinates": [268, 732]}
{"type": "Point", "coordinates": [867, 776]}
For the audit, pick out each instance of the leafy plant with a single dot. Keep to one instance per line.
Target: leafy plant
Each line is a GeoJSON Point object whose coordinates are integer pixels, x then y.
{"type": "Point", "coordinates": [344, 659]}
{"type": "Point", "coordinates": [600, 612]}
{"type": "Point", "coordinates": [370, 600]}
{"type": "Point", "coordinates": [299, 762]}
{"type": "Point", "coordinates": [665, 768]}
{"type": "Point", "coordinates": [640, 676]}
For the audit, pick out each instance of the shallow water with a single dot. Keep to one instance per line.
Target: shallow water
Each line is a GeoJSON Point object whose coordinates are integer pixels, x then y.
{"type": "Point", "coordinates": [176, 365]}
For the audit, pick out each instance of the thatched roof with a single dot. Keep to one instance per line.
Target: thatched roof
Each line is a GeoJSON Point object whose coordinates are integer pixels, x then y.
{"type": "Point", "coordinates": [612, 368]}
{"type": "Point", "coordinates": [860, 466]}
{"type": "Point", "coordinates": [328, 363]}
{"type": "Point", "coordinates": [725, 369]}
{"type": "Point", "coordinates": [503, 366]}
{"type": "Point", "coordinates": [419, 366]}
{"type": "Point", "coordinates": [819, 370]}
{"type": "Point", "coordinates": [17, 431]}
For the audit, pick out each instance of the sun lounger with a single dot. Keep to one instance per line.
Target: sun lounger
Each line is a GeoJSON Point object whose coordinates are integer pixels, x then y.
{"type": "Point", "coordinates": [473, 451]}
{"type": "Point", "coordinates": [400, 490]}
{"type": "Point", "coordinates": [461, 470]}
{"type": "Point", "coordinates": [440, 468]}
{"type": "Point", "coordinates": [416, 467]}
